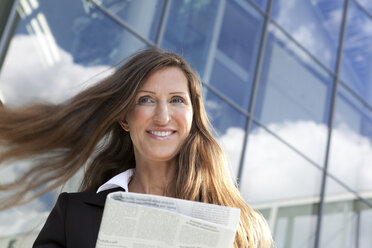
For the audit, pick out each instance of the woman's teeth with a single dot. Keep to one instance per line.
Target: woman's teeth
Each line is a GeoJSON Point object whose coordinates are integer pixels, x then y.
{"type": "Point", "coordinates": [161, 134]}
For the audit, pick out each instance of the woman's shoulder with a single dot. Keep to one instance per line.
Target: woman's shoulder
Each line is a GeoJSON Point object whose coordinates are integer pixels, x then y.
{"type": "Point", "coordinates": [89, 197]}
{"type": "Point", "coordinates": [75, 220]}
{"type": "Point", "coordinates": [78, 195]}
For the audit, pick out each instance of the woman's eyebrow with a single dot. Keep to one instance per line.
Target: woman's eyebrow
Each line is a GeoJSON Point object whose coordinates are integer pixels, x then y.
{"type": "Point", "coordinates": [178, 92]}
{"type": "Point", "coordinates": [171, 93]}
{"type": "Point", "coordinates": [147, 91]}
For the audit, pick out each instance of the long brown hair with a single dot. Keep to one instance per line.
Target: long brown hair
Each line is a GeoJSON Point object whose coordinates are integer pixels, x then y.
{"type": "Point", "coordinates": [84, 132]}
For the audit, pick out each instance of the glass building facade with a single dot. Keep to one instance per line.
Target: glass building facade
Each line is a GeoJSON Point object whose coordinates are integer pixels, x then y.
{"type": "Point", "coordinates": [287, 85]}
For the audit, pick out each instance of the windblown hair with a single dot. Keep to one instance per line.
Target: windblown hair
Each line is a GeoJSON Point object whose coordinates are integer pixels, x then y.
{"type": "Point", "coordinates": [84, 132]}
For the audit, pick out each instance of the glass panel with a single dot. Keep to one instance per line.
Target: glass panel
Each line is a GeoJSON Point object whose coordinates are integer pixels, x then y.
{"type": "Point", "coordinates": [266, 158]}
{"type": "Point", "coordinates": [314, 24]}
{"type": "Point", "coordinates": [142, 15]}
{"type": "Point", "coordinates": [351, 142]}
{"type": "Point", "coordinates": [57, 46]}
{"type": "Point", "coordinates": [365, 226]}
{"type": "Point", "coordinates": [357, 53]}
{"type": "Point", "coordinates": [339, 225]}
{"type": "Point", "coordinates": [190, 29]}
{"type": "Point", "coordinates": [295, 226]}
{"type": "Point", "coordinates": [60, 50]}
{"type": "Point", "coordinates": [347, 221]}
{"type": "Point", "coordinates": [261, 3]}
{"type": "Point", "coordinates": [229, 124]}
{"type": "Point", "coordinates": [265, 212]}
{"type": "Point", "coordinates": [236, 53]}
{"type": "Point", "coordinates": [277, 178]}
{"type": "Point", "coordinates": [294, 96]}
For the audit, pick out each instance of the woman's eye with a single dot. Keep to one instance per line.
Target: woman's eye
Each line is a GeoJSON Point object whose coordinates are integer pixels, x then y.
{"type": "Point", "coordinates": [144, 99]}
{"type": "Point", "coordinates": [177, 100]}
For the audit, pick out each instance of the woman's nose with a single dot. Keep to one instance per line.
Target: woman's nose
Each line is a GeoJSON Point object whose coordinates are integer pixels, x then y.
{"type": "Point", "coordinates": [162, 115]}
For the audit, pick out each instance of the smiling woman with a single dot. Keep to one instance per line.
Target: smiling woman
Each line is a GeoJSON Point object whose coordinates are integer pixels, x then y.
{"type": "Point", "coordinates": [143, 129]}
{"type": "Point", "coordinates": [158, 126]}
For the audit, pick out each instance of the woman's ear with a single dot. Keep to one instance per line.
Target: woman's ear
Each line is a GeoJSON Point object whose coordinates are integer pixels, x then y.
{"type": "Point", "coordinates": [124, 124]}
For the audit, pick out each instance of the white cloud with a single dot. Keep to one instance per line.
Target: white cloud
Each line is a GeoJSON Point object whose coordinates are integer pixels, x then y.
{"type": "Point", "coordinates": [25, 218]}
{"type": "Point", "coordinates": [366, 29]}
{"type": "Point", "coordinates": [351, 158]}
{"type": "Point", "coordinates": [231, 142]}
{"type": "Point", "coordinates": [30, 217]}
{"type": "Point", "coordinates": [274, 172]}
{"type": "Point", "coordinates": [35, 81]}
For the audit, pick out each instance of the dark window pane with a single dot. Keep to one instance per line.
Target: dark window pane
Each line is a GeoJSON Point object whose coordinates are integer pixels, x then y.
{"type": "Point", "coordinates": [261, 3]}
{"type": "Point", "coordinates": [142, 15]}
{"type": "Point", "coordinates": [236, 54]}
{"type": "Point", "coordinates": [189, 30]}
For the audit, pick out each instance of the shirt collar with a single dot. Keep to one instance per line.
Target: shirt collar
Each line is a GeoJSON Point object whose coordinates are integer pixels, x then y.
{"type": "Point", "coordinates": [121, 180]}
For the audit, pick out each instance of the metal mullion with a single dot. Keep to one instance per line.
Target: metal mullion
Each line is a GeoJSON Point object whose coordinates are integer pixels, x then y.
{"type": "Point", "coordinates": [357, 231]}
{"type": "Point", "coordinates": [330, 126]}
{"type": "Point", "coordinates": [254, 89]}
{"type": "Point", "coordinates": [122, 23]}
{"type": "Point", "coordinates": [7, 30]}
{"type": "Point", "coordinates": [289, 231]}
{"type": "Point", "coordinates": [289, 36]}
{"type": "Point", "coordinates": [163, 23]}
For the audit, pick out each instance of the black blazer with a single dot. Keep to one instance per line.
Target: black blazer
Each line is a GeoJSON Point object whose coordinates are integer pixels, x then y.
{"type": "Point", "coordinates": [74, 220]}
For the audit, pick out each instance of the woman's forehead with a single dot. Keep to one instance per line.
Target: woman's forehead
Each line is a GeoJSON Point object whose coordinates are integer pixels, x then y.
{"type": "Point", "coordinates": [171, 79]}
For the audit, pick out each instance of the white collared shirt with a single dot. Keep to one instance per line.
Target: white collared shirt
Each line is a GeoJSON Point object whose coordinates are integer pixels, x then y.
{"type": "Point", "coordinates": [120, 180]}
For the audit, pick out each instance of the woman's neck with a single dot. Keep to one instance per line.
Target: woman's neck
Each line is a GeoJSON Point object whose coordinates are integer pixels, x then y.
{"type": "Point", "coordinates": [157, 178]}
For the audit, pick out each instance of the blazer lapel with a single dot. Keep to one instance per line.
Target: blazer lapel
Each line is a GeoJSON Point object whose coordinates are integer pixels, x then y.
{"type": "Point", "coordinates": [93, 210]}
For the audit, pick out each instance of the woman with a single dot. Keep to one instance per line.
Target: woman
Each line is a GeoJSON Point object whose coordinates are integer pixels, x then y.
{"type": "Point", "coordinates": [143, 129]}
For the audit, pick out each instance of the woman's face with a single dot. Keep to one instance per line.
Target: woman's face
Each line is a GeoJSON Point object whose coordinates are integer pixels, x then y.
{"type": "Point", "coordinates": [162, 117]}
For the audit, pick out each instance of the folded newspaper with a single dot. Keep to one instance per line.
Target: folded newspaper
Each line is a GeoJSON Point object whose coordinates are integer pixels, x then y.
{"type": "Point", "coordinates": [133, 220]}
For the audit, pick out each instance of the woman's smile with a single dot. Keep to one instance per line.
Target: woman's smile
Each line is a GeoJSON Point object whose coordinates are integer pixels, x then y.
{"type": "Point", "coordinates": [161, 135]}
